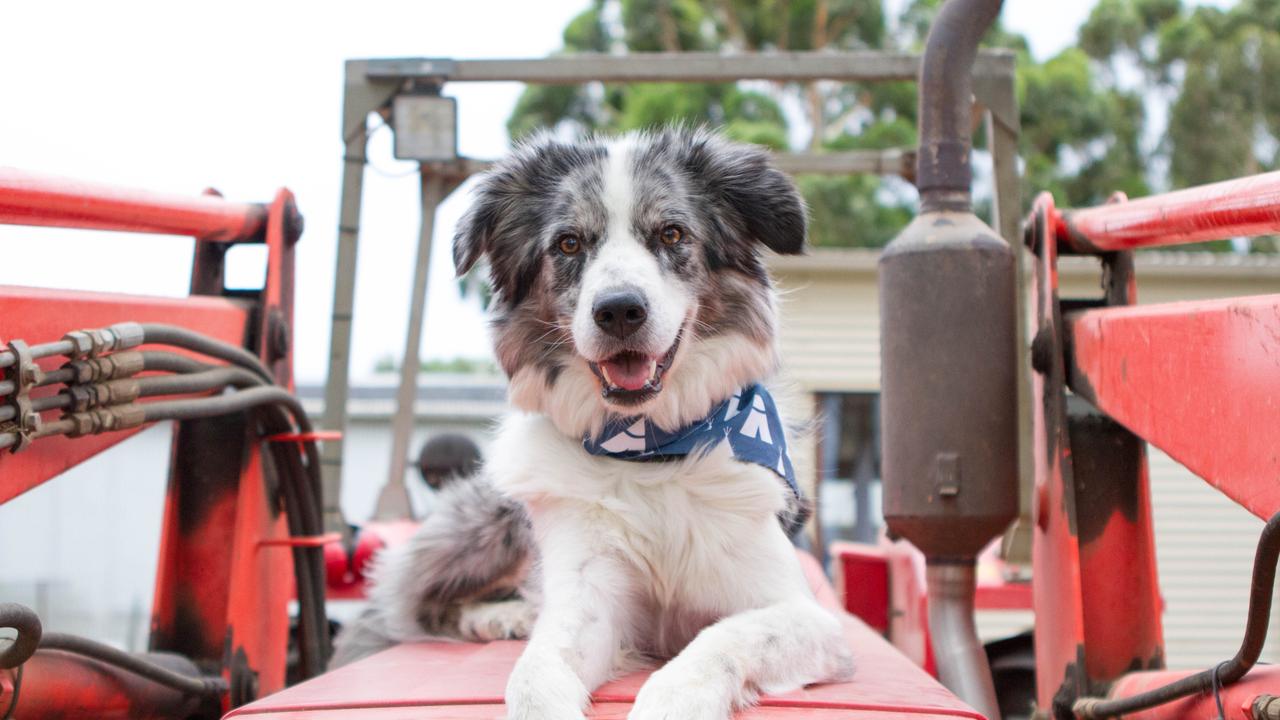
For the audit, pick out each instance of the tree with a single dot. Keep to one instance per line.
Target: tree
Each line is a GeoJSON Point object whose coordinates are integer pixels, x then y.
{"type": "Point", "coordinates": [1217, 66]}
{"type": "Point", "coordinates": [1082, 126]}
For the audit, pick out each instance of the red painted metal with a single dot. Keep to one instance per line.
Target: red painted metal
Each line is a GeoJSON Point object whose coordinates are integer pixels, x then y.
{"type": "Point", "coordinates": [1055, 553]}
{"type": "Point", "coordinates": [345, 571]}
{"type": "Point", "coordinates": [222, 592]}
{"type": "Point", "coordinates": [884, 586]}
{"type": "Point", "coordinates": [61, 686]}
{"type": "Point", "coordinates": [318, 435]}
{"type": "Point", "coordinates": [1237, 699]}
{"type": "Point", "coordinates": [1094, 556]}
{"type": "Point", "coordinates": [221, 595]}
{"type": "Point", "coordinates": [39, 315]}
{"type": "Point", "coordinates": [1196, 379]}
{"type": "Point", "coordinates": [1242, 207]}
{"type": "Point", "coordinates": [28, 198]}
{"type": "Point", "coordinates": [467, 680]}
{"type": "Point", "coordinates": [861, 575]}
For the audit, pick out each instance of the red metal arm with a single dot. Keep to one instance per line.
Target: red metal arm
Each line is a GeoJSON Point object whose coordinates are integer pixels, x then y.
{"type": "Point", "coordinates": [222, 592]}
{"type": "Point", "coordinates": [1198, 380]}
{"type": "Point", "coordinates": [28, 198]}
{"type": "Point", "coordinates": [1235, 208]}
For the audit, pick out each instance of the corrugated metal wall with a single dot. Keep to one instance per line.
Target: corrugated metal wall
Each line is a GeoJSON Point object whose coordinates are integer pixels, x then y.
{"type": "Point", "coordinates": [1205, 542]}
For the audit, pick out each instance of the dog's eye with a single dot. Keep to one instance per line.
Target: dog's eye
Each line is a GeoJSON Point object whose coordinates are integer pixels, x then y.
{"type": "Point", "coordinates": [671, 234]}
{"type": "Point", "coordinates": [569, 244]}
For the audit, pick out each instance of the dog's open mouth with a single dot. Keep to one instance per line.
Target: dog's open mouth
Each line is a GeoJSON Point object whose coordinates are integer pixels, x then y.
{"type": "Point", "coordinates": [631, 377]}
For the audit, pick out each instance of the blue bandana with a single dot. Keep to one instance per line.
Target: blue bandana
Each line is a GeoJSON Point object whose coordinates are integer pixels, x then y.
{"type": "Point", "coordinates": [748, 421]}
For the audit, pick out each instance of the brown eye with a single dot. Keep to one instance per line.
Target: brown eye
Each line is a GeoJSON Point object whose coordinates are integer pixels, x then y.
{"type": "Point", "coordinates": [672, 235]}
{"type": "Point", "coordinates": [569, 244]}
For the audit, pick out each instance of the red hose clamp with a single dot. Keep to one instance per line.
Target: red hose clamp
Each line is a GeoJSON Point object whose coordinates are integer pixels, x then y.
{"type": "Point", "coordinates": [301, 437]}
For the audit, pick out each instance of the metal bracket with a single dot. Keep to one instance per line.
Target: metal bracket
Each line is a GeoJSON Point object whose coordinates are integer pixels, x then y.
{"type": "Point", "coordinates": [25, 374]}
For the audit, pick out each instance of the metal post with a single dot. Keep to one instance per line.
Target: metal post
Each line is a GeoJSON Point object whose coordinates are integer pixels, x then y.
{"type": "Point", "coordinates": [393, 501]}
{"type": "Point", "coordinates": [830, 460]}
{"type": "Point", "coordinates": [344, 287]}
{"type": "Point", "coordinates": [1002, 126]}
{"type": "Point", "coordinates": [864, 523]}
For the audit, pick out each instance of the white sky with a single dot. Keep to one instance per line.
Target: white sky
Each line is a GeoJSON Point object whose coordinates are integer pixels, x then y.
{"type": "Point", "coordinates": [246, 97]}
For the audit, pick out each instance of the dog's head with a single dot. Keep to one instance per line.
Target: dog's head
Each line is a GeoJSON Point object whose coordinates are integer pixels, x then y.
{"type": "Point", "coordinates": [627, 273]}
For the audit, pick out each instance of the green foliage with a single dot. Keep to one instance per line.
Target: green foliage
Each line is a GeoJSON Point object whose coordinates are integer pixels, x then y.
{"type": "Point", "coordinates": [1083, 117]}
{"type": "Point", "coordinates": [1218, 65]}
{"type": "Point", "coordinates": [457, 365]}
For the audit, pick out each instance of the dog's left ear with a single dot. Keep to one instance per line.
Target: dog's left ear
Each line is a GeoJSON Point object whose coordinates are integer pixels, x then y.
{"type": "Point", "coordinates": [760, 197]}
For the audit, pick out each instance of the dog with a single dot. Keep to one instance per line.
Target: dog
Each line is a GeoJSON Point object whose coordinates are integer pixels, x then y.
{"type": "Point", "coordinates": [637, 504]}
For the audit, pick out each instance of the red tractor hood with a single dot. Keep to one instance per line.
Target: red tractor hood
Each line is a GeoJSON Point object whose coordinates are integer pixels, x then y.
{"type": "Point", "coordinates": [465, 680]}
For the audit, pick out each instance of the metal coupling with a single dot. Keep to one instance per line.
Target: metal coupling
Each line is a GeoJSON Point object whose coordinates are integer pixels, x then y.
{"type": "Point", "coordinates": [1086, 707]}
{"type": "Point", "coordinates": [107, 367]}
{"type": "Point", "coordinates": [1266, 707]}
{"type": "Point", "coordinates": [92, 422]}
{"type": "Point", "coordinates": [94, 342]}
{"type": "Point", "coordinates": [25, 374]}
{"type": "Point", "coordinates": [105, 394]}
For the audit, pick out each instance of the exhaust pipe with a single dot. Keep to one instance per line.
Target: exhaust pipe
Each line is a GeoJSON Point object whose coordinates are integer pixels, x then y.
{"type": "Point", "coordinates": [948, 362]}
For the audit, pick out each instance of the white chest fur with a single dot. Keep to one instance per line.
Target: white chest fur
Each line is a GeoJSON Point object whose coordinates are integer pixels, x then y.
{"type": "Point", "coordinates": [699, 537]}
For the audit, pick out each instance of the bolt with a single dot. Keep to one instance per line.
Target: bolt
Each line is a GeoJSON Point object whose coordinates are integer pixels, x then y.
{"type": "Point", "coordinates": [277, 335]}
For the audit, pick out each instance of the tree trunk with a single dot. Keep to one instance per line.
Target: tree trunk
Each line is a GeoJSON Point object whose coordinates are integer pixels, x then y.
{"type": "Point", "coordinates": [784, 25]}
{"type": "Point", "coordinates": [733, 26]}
{"type": "Point", "coordinates": [670, 31]}
{"type": "Point", "coordinates": [819, 40]}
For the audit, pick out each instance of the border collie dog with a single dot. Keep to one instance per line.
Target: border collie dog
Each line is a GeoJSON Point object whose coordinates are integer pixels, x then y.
{"type": "Point", "coordinates": [638, 503]}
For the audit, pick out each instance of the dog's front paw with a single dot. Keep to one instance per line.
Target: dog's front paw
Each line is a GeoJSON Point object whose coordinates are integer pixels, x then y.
{"type": "Point", "coordinates": [670, 694]}
{"type": "Point", "coordinates": [505, 620]}
{"type": "Point", "coordinates": [543, 687]}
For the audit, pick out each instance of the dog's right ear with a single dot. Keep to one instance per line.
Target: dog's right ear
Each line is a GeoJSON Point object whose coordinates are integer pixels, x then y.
{"type": "Point", "coordinates": [474, 236]}
{"type": "Point", "coordinates": [508, 198]}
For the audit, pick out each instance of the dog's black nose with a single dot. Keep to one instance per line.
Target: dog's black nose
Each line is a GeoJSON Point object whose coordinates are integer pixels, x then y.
{"type": "Point", "coordinates": [621, 312]}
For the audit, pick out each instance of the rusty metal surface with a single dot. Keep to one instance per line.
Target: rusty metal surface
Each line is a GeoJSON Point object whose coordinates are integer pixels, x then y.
{"type": "Point", "coordinates": [1160, 696]}
{"type": "Point", "coordinates": [1094, 549]}
{"type": "Point", "coordinates": [221, 594]}
{"type": "Point", "coordinates": [1242, 207]}
{"type": "Point", "coordinates": [1055, 552]}
{"type": "Point", "coordinates": [1120, 593]}
{"type": "Point", "coordinates": [61, 686]}
{"type": "Point", "coordinates": [28, 198]}
{"type": "Point", "coordinates": [949, 401]}
{"type": "Point", "coordinates": [945, 89]}
{"type": "Point", "coordinates": [1237, 699]}
{"type": "Point", "coordinates": [222, 589]}
{"type": "Point", "coordinates": [868, 66]}
{"type": "Point", "coordinates": [1196, 379]}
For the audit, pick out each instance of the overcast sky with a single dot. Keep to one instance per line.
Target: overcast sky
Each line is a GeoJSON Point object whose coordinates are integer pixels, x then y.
{"type": "Point", "coordinates": [245, 97]}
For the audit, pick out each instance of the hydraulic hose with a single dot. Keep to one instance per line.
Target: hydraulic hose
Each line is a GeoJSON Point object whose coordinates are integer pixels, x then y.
{"type": "Point", "coordinates": [275, 411]}
{"type": "Point", "coordinates": [183, 384]}
{"type": "Point", "coordinates": [172, 362]}
{"type": "Point", "coordinates": [161, 334]}
{"type": "Point", "coordinates": [27, 623]}
{"type": "Point", "coordinates": [203, 687]}
{"type": "Point", "coordinates": [239, 401]}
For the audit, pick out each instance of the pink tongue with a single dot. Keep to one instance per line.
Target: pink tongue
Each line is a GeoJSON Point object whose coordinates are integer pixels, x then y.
{"type": "Point", "coordinates": [629, 372]}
